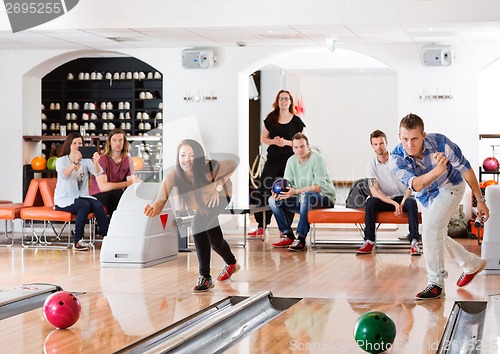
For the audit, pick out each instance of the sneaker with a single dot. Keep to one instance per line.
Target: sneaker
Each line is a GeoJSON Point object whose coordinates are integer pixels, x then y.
{"type": "Point", "coordinates": [204, 284]}
{"type": "Point", "coordinates": [286, 242]}
{"type": "Point", "coordinates": [415, 250]}
{"type": "Point", "coordinates": [297, 245]}
{"type": "Point", "coordinates": [465, 279]}
{"type": "Point", "coordinates": [367, 248]}
{"type": "Point", "coordinates": [81, 246]}
{"type": "Point", "coordinates": [229, 269]}
{"type": "Point", "coordinates": [258, 232]}
{"type": "Point", "coordinates": [432, 291]}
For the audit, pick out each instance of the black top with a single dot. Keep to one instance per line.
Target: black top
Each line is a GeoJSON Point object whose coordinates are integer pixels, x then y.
{"type": "Point", "coordinates": [285, 131]}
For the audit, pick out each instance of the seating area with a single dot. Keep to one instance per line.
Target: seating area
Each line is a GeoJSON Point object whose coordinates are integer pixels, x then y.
{"type": "Point", "coordinates": [11, 211]}
{"type": "Point", "coordinates": [356, 217]}
{"type": "Point", "coordinates": [37, 211]}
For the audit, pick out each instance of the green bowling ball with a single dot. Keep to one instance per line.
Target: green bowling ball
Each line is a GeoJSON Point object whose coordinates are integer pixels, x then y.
{"type": "Point", "coordinates": [51, 163]}
{"type": "Point", "coordinates": [374, 332]}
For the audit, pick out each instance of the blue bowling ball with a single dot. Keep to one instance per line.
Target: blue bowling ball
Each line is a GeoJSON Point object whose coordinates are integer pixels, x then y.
{"type": "Point", "coordinates": [281, 185]}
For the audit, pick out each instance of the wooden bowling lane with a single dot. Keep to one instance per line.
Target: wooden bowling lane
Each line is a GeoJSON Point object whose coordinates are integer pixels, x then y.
{"type": "Point", "coordinates": [108, 323]}
{"type": "Point", "coordinates": [327, 326]}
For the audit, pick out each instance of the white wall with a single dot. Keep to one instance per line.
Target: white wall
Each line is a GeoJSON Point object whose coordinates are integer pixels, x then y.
{"type": "Point", "coordinates": [340, 112]}
{"type": "Point", "coordinates": [489, 111]}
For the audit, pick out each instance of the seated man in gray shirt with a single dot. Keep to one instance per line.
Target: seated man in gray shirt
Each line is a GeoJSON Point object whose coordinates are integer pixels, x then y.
{"type": "Point", "coordinates": [388, 194]}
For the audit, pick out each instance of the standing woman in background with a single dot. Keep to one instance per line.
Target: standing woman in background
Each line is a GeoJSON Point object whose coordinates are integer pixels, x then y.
{"type": "Point", "coordinates": [280, 125]}
{"type": "Point", "coordinates": [72, 188]}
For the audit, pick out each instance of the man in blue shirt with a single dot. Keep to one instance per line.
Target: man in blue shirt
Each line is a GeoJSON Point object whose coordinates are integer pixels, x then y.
{"type": "Point", "coordinates": [435, 168]}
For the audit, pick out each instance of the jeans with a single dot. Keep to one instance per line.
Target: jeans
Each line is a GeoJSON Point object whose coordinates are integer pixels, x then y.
{"type": "Point", "coordinates": [110, 199]}
{"type": "Point", "coordinates": [82, 207]}
{"type": "Point", "coordinates": [300, 204]}
{"type": "Point", "coordinates": [375, 205]}
{"type": "Point", "coordinates": [435, 239]}
{"type": "Point", "coordinates": [208, 234]}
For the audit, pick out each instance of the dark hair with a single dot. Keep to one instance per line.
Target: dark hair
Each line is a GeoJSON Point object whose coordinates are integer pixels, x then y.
{"type": "Point", "coordinates": [412, 121]}
{"type": "Point", "coordinates": [274, 115]}
{"type": "Point", "coordinates": [377, 134]}
{"type": "Point", "coordinates": [299, 136]}
{"type": "Point", "coordinates": [184, 186]}
{"type": "Point", "coordinates": [107, 147]}
{"type": "Point", "coordinates": [66, 149]}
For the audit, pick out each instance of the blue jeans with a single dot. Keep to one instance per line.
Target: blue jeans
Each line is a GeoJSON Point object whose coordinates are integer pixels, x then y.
{"type": "Point", "coordinates": [81, 208]}
{"type": "Point", "coordinates": [375, 205]}
{"type": "Point", "coordinates": [300, 204]}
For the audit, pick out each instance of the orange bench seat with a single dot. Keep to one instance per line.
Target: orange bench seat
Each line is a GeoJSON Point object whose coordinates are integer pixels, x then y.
{"type": "Point", "coordinates": [353, 216]}
{"type": "Point", "coordinates": [350, 216]}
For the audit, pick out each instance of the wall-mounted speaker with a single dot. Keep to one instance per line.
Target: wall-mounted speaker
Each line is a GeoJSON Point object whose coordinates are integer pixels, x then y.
{"type": "Point", "coordinates": [202, 58]}
{"type": "Point", "coordinates": [436, 56]}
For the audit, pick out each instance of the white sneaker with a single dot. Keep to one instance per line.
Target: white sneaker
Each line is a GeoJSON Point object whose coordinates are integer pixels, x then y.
{"type": "Point", "coordinates": [81, 246]}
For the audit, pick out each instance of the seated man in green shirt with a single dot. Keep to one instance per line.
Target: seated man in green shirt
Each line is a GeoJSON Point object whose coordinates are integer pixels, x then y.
{"type": "Point", "coordinates": [311, 188]}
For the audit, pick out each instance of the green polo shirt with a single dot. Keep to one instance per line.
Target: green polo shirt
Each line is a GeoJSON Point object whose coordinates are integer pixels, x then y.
{"type": "Point", "coordinates": [314, 171]}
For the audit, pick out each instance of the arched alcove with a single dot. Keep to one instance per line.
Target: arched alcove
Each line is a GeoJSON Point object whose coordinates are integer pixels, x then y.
{"type": "Point", "coordinates": [93, 92]}
{"type": "Point", "coordinates": [346, 95]}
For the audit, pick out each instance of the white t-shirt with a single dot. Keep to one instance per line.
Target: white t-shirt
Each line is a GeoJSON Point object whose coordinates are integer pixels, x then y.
{"type": "Point", "coordinates": [387, 182]}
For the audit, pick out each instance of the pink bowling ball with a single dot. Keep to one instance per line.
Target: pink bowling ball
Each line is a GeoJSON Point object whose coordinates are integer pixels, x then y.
{"type": "Point", "coordinates": [490, 164]}
{"type": "Point", "coordinates": [62, 309]}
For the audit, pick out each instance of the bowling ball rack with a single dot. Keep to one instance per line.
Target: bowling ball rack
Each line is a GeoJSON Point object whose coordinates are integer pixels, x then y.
{"type": "Point", "coordinates": [24, 298]}
{"type": "Point", "coordinates": [471, 327]}
{"type": "Point", "coordinates": [215, 328]}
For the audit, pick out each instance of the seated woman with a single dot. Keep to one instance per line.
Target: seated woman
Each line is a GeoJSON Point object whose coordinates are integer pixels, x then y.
{"type": "Point", "coordinates": [118, 171]}
{"type": "Point", "coordinates": [72, 188]}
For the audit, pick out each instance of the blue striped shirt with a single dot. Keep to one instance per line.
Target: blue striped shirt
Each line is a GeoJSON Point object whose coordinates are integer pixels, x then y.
{"type": "Point", "coordinates": [406, 168]}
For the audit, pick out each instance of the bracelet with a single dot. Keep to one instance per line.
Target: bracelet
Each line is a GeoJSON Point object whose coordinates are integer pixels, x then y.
{"type": "Point", "coordinates": [482, 200]}
{"type": "Point", "coordinates": [75, 163]}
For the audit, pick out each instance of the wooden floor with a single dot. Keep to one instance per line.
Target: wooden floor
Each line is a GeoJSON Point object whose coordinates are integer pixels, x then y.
{"type": "Point", "coordinates": [123, 305]}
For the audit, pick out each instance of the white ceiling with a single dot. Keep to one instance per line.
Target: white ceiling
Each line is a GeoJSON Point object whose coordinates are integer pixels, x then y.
{"type": "Point", "coordinates": [251, 36]}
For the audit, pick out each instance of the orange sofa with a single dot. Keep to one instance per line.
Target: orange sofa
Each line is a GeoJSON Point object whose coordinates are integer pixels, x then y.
{"type": "Point", "coordinates": [11, 211]}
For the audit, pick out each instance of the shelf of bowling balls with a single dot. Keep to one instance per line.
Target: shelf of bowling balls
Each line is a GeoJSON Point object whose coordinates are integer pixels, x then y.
{"type": "Point", "coordinates": [38, 138]}
{"type": "Point", "coordinates": [483, 172]}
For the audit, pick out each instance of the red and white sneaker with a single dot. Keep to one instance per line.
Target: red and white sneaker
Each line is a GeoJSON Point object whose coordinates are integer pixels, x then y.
{"type": "Point", "coordinates": [415, 250]}
{"type": "Point", "coordinates": [259, 232]}
{"type": "Point", "coordinates": [366, 249]}
{"type": "Point", "coordinates": [227, 271]}
{"type": "Point", "coordinates": [465, 279]}
{"type": "Point", "coordinates": [286, 242]}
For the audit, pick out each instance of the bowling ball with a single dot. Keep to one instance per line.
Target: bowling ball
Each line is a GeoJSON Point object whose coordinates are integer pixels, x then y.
{"type": "Point", "coordinates": [281, 185]}
{"type": "Point", "coordinates": [374, 332]}
{"type": "Point", "coordinates": [490, 164]}
{"type": "Point", "coordinates": [138, 163]}
{"type": "Point", "coordinates": [51, 163]}
{"type": "Point", "coordinates": [39, 163]}
{"type": "Point", "coordinates": [490, 182]}
{"type": "Point", "coordinates": [62, 309]}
